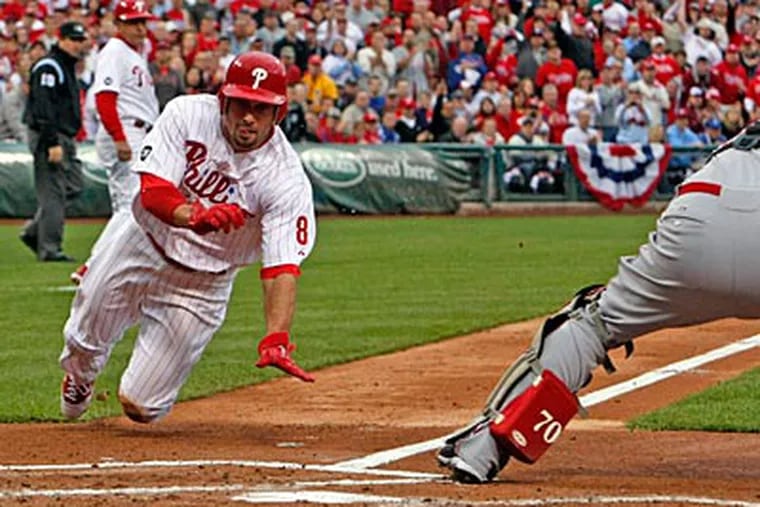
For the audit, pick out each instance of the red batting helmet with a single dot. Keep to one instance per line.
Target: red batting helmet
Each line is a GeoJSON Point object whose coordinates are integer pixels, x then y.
{"type": "Point", "coordinates": [132, 10]}
{"type": "Point", "coordinates": [258, 77]}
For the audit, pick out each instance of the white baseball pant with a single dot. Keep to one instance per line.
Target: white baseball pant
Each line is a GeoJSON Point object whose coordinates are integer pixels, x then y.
{"type": "Point", "coordinates": [178, 311]}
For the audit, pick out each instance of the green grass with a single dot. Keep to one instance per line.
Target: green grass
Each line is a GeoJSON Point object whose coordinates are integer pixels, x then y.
{"type": "Point", "coordinates": [729, 406]}
{"type": "Point", "coordinates": [371, 286]}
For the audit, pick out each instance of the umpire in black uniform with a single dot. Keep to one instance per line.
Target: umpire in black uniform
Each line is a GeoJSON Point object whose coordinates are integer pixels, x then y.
{"type": "Point", "coordinates": [53, 115]}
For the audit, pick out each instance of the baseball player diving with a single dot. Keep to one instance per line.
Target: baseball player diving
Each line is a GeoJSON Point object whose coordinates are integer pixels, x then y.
{"type": "Point", "coordinates": [699, 265]}
{"type": "Point", "coordinates": [220, 188]}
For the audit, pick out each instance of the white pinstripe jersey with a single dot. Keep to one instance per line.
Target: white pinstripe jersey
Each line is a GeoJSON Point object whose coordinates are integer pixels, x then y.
{"type": "Point", "coordinates": [187, 147]}
{"type": "Point", "coordinates": [121, 69]}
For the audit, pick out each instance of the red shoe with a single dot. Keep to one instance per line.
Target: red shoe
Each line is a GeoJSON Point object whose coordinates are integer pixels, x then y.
{"type": "Point", "coordinates": [75, 398]}
{"type": "Point", "coordinates": [76, 276]}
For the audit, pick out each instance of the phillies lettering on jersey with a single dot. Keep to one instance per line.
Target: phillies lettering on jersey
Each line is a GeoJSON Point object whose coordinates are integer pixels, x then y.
{"type": "Point", "coordinates": [211, 184]}
{"type": "Point", "coordinates": [186, 147]}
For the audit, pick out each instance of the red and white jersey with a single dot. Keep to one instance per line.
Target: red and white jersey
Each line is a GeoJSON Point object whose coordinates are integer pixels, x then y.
{"type": "Point", "coordinates": [121, 69]}
{"type": "Point", "coordinates": [666, 67]}
{"type": "Point", "coordinates": [186, 147]}
{"type": "Point", "coordinates": [483, 18]}
{"type": "Point", "coordinates": [732, 81]}
{"type": "Point", "coordinates": [753, 90]}
{"type": "Point", "coordinates": [562, 75]}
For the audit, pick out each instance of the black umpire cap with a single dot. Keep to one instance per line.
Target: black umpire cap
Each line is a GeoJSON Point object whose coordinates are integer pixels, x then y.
{"type": "Point", "coordinates": [73, 30]}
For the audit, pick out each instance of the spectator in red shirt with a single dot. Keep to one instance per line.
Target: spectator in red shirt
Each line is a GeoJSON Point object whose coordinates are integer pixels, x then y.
{"type": "Point", "coordinates": [506, 118]}
{"type": "Point", "coordinates": [208, 37]}
{"type": "Point", "coordinates": [645, 13]}
{"type": "Point", "coordinates": [13, 11]}
{"type": "Point", "coordinates": [189, 47]}
{"type": "Point", "coordinates": [482, 16]}
{"type": "Point", "coordinates": [371, 133]}
{"type": "Point", "coordinates": [288, 59]}
{"type": "Point", "coordinates": [487, 109]}
{"type": "Point", "coordinates": [665, 66]}
{"type": "Point", "coordinates": [329, 130]}
{"type": "Point", "coordinates": [559, 71]}
{"type": "Point", "coordinates": [752, 101]}
{"type": "Point", "coordinates": [732, 76]}
{"type": "Point", "coordinates": [502, 58]}
{"type": "Point", "coordinates": [180, 15]}
{"type": "Point", "coordinates": [553, 113]}
{"type": "Point", "coordinates": [604, 47]}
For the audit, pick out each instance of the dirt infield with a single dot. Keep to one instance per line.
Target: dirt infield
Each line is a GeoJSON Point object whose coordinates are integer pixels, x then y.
{"type": "Point", "coordinates": [279, 441]}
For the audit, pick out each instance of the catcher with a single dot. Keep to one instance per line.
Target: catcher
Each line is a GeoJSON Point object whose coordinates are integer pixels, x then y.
{"type": "Point", "coordinates": [699, 265]}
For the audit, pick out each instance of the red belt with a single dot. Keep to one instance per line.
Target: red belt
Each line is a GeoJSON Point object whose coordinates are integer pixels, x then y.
{"type": "Point", "coordinates": [701, 187]}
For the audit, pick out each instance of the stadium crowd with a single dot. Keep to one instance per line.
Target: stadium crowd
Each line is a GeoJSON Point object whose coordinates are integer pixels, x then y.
{"type": "Point", "coordinates": [487, 72]}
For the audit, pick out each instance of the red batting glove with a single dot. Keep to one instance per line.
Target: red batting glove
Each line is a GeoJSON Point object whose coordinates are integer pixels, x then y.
{"type": "Point", "coordinates": [274, 350]}
{"type": "Point", "coordinates": [224, 217]}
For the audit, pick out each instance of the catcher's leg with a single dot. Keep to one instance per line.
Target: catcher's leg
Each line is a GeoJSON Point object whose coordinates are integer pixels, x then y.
{"type": "Point", "coordinates": [570, 344]}
{"type": "Point", "coordinates": [677, 279]}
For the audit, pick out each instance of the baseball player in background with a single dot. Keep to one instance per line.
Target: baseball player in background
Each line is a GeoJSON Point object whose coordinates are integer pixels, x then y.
{"type": "Point", "coordinates": [127, 106]}
{"type": "Point", "coordinates": [220, 188]}
{"type": "Point", "coordinates": [699, 265]}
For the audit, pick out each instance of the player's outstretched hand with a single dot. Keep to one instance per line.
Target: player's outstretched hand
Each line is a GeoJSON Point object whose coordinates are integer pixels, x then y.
{"type": "Point", "coordinates": [224, 217]}
{"type": "Point", "coordinates": [274, 350]}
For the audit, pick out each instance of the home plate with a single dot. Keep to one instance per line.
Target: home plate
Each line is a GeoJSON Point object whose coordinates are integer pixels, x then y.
{"type": "Point", "coordinates": [323, 497]}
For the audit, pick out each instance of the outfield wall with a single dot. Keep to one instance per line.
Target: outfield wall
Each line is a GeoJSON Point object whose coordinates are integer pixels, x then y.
{"type": "Point", "coordinates": [385, 179]}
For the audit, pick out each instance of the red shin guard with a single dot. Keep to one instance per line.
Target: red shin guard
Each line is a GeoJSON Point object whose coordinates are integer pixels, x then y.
{"type": "Point", "coordinates": [534, 420]}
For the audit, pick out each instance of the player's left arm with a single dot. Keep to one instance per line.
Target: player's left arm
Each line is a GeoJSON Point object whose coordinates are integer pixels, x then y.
{"type": "Point", "coordinates": [288, 233]}
{"type": "Point", "coordinates": [279, 306]}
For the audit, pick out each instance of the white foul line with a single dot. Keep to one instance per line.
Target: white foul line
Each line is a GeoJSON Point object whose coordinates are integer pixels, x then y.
{"type": "Point", "coordinates": [322, 497]}
{"type": "Point", "coordinates": [591, 399]}
{"type": "Point", "coordinates": [333, 497]}
{"type": "Point", "coordinates": [668, 371]}
{"type": "Point", "coordinates": [280, 465]}
{"type": "Point", "coordinates": [167, 490]}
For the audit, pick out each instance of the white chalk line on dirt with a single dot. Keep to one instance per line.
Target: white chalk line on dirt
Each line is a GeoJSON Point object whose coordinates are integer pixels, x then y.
{"type": "Point", "coordinates": [173, 490]}
{"type": "Point", "coordinates": [164, 490]}
{"type": "Point", "coordinates": [591, 399]}
{"type": "Point", "coordinates": [279, 465]}
{"type": "Point", "coordinates": [334, 497]}
{"type": "Point", "coordinates": [363, 466]}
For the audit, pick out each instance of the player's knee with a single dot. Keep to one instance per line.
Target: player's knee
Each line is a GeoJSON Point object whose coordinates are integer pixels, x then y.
{"type": "Point", "coordinates": [139, 413]}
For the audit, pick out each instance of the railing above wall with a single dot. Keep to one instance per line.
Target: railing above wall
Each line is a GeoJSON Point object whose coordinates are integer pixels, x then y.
{"type": "Point", "coordinates": [489, 164]}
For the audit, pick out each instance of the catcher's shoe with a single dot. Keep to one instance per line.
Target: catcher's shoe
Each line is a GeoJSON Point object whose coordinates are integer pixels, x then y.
{"type": "Point", "coordinates": [75, 398]}
{"type": "Point", "coordinates": [76, 276]}
{"type": "Point", "coordinates": [473, 458]}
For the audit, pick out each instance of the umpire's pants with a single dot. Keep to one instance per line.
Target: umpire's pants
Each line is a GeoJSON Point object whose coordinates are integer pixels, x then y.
{"type": "Point", "coordinates": [55, 185]}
